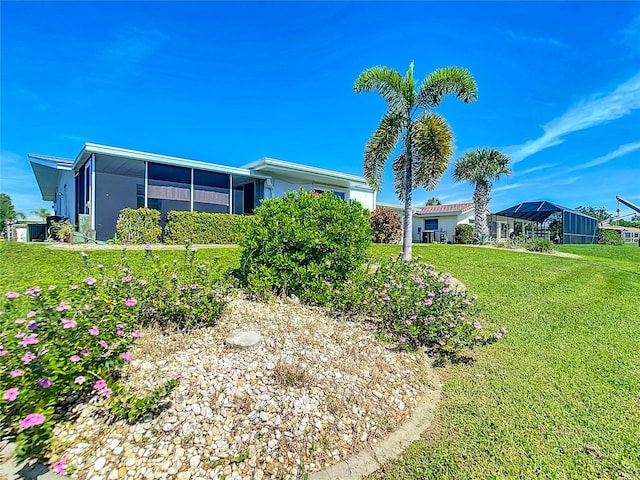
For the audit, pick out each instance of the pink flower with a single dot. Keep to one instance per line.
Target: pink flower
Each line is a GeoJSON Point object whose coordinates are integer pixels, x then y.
{"type": "Point", "coordinates": [84, 352]}
{"type": "Point", "coordinates": [3, 352]}
{"type": "Point", "coordinates": [80, 380]}
{"type": "Point", "coordinates": [32, 290]}
{"type": "Point", "coordinates": [90, 281]}
{"type": "Point", "coordinates": [19, 335]}
{"type": "Point", "coordinates": [193, 286]}
{"type": "Point", "coordinates": [88, 307]}
{"type": "Point", "coordinates": [16, 373]}
{"type": "Point", "coordinates": [147, 246]}
{"type": "Point", "coordinates": [63, 306]}
{"type": "Point", "coordinates": [477, 324]}
{"type": "Point", "coordinates": [119, 332]}
{"type": "Point", "coordinates": [498, 334]}
{"type": "Point", "coordinates": [99, 385]}
{"type": "Point", "coordinates": [32, 420]}
{"type": "Point", "coordinates": [106, 392]}
{"type": "Point", "coordinates": [12, 294]}
{"type": "Point", "coordinates": [505, 330]}
{"type": "Point", "coordinates": [52, 287]}
{"type": "Point", "coordinates": [30, 340]}
{"type": "Point", "coordinates": [59, 467]}
{"type": "Point", "coordinates": [369, 326]}
{"type": "Point", "coordinates": [103, 344]}
{"type": "Point", "coordinates": [83, 254]}
{"type": "Point", "coordinates": [428, 301]}
{"type": "Point", "coordinates": [174, 276]}
{"type": "Point", "coordinates": [130, 302]}
{"type": "Point", "coordinates": [20, 320]}
{"type": "Point", "coordinates": [74, 358]}
{"type": "Point", "coordinates": [74, 287]}
{"type": "Point", "coordinates": [68, 323]}
{"type": "Point", "coordinates": [137, 334]}
{"type": "Point", "coordinates": [27, 357]}
{"type": "Point", "coordinates": [11, 394]}
{"type": "Point", "coordinates": [126, 279]}
{"type": "Point", "coordinates": [127, 356]}
{"type": "Point", "coordinates": [94, 330]}
{"type": "Point", "coordinates": [31, 314]}
{"type": "Point", "coordinates": [45, 382]}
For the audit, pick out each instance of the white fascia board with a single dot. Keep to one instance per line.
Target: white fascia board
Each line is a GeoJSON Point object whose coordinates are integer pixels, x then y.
{"type": "Point", "coordinates": [55, 163]}
{"type": "Point", "coordinates": [90, 148]}
{"type": "Point", "coordinates": [295, 169]}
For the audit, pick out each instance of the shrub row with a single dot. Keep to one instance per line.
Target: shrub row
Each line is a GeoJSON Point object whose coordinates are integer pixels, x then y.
{"type": "Point", "coordinates": [386, 226]}
{"type": "Point", "coordinates": [142, 225]}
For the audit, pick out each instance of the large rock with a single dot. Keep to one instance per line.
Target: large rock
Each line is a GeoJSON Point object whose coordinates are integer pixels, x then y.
{"type": "Point", "coordinates": [244, 339]}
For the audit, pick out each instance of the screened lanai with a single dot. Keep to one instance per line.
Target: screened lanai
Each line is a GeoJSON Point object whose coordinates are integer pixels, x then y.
{"type": "Point", "coordinates": [547, 220]}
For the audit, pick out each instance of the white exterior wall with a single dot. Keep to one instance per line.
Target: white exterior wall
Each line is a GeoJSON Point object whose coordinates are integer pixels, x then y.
{"type": "Point", "coordinates": [65, 202]}
{"type": "Point", "coordinates": [445, 222]}
{"type": "Point", "coordinates": [367, 199]}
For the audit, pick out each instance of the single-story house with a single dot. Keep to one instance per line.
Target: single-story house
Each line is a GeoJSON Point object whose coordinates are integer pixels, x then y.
{"type": "Point", "coordinates": [629, 234]}
{"type": "Point", "coordinates": [102, 180]}
{"type": "Point", "coordinates": [437, 223]}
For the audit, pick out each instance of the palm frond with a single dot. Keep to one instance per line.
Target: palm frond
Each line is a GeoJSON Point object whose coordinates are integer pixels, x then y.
{"type": "Point", "coordinates": [390, 85]}
{"type": "Point", "coordinates": [398, 168]}
{"type": "Point", "coordinates": [432, 149]}
{"type": "Point", "coordinates": [379, 147]}
{"type": "Point", "coordinates": [446, 81]}
{"type": "Point", "coordinates": [481, 165]}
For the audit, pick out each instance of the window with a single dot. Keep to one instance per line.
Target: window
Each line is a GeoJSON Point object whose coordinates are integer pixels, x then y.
{"type": "Point", "coordinates": [336, 193]}
{"type": "Point", "coordinates": [431, 224]}
{"type": "Point", "coordinates": [211, 191]}
{"type": "Point", "coordinates": [169, 188]}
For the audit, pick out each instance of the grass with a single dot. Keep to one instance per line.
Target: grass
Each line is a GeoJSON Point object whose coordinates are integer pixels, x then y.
{"type": "Point", "coordinates": [559, 397]}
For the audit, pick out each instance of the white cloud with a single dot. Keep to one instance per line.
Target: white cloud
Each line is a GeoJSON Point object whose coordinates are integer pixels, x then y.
{"type": "Point", "coordinates": [535, 39]}
{"type": "Point", "coordinates": [631, 35]}
{"type": "Point", "coordinates": [599, 109]}
{"type": "Point", "coordinates": [618, 152]}
{"type": "Point", "coordinates": [506, 187]}
{"type": "Point", "coordinates": [539, 167]}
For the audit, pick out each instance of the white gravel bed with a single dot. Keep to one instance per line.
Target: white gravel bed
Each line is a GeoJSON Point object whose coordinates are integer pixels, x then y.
{"type": "Point", "coordinates": [315, 391]}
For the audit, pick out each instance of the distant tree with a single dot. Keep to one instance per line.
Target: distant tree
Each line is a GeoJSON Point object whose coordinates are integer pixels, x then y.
{"type": "Point", "coordinates": [7, 211]}
{"type": "Point", "coordinates": [600, 214]}
{"type": "Point", "coordinates": [634, 222]}
{"type": "Point", "coordinates": [433, 201]}
{"type": "Point", "coordinates": [41, 212]}
{"type": "Point", "coordinates": [426, 138]}
{"type": "Point", "coordinates": [480, 167]}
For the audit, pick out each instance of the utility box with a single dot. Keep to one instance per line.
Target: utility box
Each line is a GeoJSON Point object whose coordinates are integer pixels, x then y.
{"type": "Point", "coordinates": [21, 233]}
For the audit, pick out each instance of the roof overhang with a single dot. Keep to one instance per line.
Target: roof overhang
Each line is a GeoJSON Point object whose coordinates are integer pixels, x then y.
{"type": "Point", "coordinates": [47, 171]}
{"type": "Point", "coordinates": [536, 211]}
{"type": "Point", "coordinates": [311, 174]}
{"type": "Point", "coordinates": [91, 148]}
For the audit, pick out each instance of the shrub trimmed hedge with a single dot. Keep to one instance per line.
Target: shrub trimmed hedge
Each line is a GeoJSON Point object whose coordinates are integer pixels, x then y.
{"type": "Point", "coordinates": [204, 228]}
{"type": "Point", "coordinates": [609, 237]}
{"type": "Point", "coordinates": [138, 226]}
{"type": "Point", "coordinates": [464, 233]}
{"type": "Point", "coordinates": [302, 243]}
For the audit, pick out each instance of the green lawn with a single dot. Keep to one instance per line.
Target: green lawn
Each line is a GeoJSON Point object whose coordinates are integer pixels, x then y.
{"type": "Point", "coordinates": [559, 397]}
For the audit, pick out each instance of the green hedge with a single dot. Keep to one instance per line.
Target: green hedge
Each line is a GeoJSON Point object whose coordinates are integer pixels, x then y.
{"type": "Point", "coordinates": [204, 228]}
{"type": "Point", "coordinates": [464, 233]}
{"type": "Point", "coordinates": [138, 226]}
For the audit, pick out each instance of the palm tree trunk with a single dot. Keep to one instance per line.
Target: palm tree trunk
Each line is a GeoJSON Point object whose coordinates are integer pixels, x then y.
{"type": "Point", "coordinates": [481, 200]}
{"type": "Point", "coordinates": [408, 214]}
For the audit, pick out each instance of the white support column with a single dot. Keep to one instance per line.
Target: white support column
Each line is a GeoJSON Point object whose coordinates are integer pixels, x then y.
{"type": "Point", "coordinates": [146, 184]}
{"type": "Point", "coordinates": [92, 200]}
{"type": "Point", "coordinates": [230, 194]}
{"type": "Point", "coordinates": [192, 189]}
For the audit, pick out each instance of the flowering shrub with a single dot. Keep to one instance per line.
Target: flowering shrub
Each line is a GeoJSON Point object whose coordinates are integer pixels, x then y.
{"type": "Point", "coordinates": [386, 225]}
{"type": "Point", "coordinates": [412, 304]}
{"type": "Point", "coordinates": [183, 293]}
{"type": "Point", "coordinates": [62, 343]}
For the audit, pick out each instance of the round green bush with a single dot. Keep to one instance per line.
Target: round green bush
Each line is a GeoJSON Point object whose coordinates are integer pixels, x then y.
{"type": "Point", "coordinates": [301, 243]}
{"type": "Point", "coordinates": [539, 245]}
{"type": "Point", "coordinates": [464, 233]}
{"type": "Point", "coordinates": [609, 237]}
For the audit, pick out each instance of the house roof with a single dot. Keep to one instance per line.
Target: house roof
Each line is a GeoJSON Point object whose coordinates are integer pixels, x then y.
{"type": "Point", "coordinates": [47, 171]}
{"type": "Point", "coordinates": [620, 228]}
{"type": "Point", "coordinates": [272, 165]}
{"type": "Point", "coordinates": [536, 211]}
{"type": "Point", "coordinates": [451, 208]}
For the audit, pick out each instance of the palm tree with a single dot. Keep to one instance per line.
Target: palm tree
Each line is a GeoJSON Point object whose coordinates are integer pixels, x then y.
{"type": "Point", "coordinates": [481, 167]}
{"type": "Point", "coordinates": [41, 212]}
{"type": "Point", "coordinates": [433, 201]}
{"type": "Point", "coordinates": [426, 138]}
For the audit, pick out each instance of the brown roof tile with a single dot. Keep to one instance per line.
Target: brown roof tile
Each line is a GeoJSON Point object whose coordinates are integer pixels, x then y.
{"type": "Point", "coordinates": [449, 208]}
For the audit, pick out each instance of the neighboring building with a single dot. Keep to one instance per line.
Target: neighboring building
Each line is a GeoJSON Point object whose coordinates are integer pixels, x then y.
{"type": "Point", "coordinates": [629, 234]}
{"type": "Point", "coordinates": [542, 219]}
{"type": "Point", "coordinates": [102, 180]}
{"type": "Point", "coordinates": [437, 223]}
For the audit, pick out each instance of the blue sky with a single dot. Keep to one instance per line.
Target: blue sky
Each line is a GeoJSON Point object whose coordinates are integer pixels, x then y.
{"type": "Point", "coordinates": [559, 87]}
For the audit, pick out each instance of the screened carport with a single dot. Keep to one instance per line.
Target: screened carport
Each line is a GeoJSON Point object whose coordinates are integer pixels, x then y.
{"type": "Point", "coordinates": [554, 222]}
